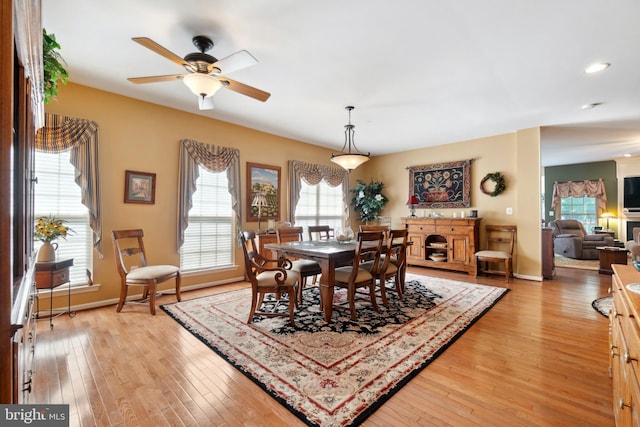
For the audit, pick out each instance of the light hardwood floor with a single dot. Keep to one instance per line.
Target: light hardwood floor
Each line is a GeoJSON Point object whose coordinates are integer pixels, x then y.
{"type": "Point", "coordinates": [538, 358]}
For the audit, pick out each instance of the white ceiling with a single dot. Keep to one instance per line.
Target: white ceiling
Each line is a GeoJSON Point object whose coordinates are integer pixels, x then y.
{"type": "Point", "coordinates": [419, 72]}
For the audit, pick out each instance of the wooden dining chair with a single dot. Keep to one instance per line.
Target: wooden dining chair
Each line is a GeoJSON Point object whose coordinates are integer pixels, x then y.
{"type": "Point", "coordinates": [131, 261]}
{"type": "Point", "coordinates": [268, 280]}
{"type": "Point", "coordinates": [391, 264]}
{"type": "Point", "coordinates": [383, 228]}
{"type": "Point", "coordinates": [501, 241]}
{"type": "Point", "coordinates": [304, 268]}
{"type": "Point", "coordinates": [354, 277]}
{"type": "Point", "coordinates": [320, 232]}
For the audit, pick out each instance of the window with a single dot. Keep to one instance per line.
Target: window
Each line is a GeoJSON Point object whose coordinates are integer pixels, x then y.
{"type": "Point", "coordinates": [582, 209]}
{"type": "Point", "coordinates": [209, 239]}
{"type": "Point", "coordinates": [57, 194]}
{"type": "Point", "coordinates": [320, 204]}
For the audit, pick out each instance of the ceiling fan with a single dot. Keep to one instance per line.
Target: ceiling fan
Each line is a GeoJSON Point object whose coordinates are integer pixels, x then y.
{"type": "Point", "coordinates": [204, 72]}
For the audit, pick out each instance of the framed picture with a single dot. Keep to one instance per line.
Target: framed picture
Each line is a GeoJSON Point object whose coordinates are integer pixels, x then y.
{"type": "Point", "coordinates": [263, 192]}
{"type": "Point", "coordinates": [139, 187]}
{"type": "Point", "coordinates": [441, 185]}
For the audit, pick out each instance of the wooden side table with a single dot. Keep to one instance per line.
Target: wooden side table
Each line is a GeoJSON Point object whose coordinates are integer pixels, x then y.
{"type": "Point", "coordinates": [611, 255]}
{"type": "Point", "coordinates": [50, 275]}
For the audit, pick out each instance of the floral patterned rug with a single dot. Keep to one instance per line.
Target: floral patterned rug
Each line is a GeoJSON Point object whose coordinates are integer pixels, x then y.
{"type": "Point", "coordinates": [338, 373]}
{"type": "Point", "coordinates": [603, 305]}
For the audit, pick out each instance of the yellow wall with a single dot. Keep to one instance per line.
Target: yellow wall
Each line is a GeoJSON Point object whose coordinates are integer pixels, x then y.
{"type": "Point", "coordinates": [140, 136]}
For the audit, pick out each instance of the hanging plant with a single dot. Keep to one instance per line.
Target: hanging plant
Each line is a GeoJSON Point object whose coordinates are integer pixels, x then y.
{"type": "Point", "coordinates": [54, 66]}
{"type": "Point", "coordinates": [368, 200]}
{"type": "Point", "coordinates": [497, 179]}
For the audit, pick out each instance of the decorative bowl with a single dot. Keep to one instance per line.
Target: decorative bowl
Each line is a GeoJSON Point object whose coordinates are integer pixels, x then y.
{"type": "Point", "coordinates": [344, 235]}
{"type": "Point", "coordinates": [438, 244]}
{"type": "Point", "coordinates": [438, 258]}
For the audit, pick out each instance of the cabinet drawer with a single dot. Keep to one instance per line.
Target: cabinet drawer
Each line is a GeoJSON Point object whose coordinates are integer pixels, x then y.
{"type": "Point", "coordinates": [421, 228]}
{"type": "Point", "coordinates": [50, 279]}
{"type": "Point", "coordinates": [452, 229]}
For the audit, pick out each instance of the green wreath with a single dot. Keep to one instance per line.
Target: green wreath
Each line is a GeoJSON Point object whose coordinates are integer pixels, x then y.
{"type": "Point", "coordinates": [499, 187]}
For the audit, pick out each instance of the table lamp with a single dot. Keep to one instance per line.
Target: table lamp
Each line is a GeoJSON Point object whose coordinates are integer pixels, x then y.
{"type": "Point", "coordinates": [259, 200]}
{"type": "Point", "coordinates": [608, 216]}
{"type": "Point", "coordinates": [412, 202]}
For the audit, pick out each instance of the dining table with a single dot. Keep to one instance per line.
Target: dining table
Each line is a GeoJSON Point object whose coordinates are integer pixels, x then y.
{"type": "Point", "coordinates": [330, 254]}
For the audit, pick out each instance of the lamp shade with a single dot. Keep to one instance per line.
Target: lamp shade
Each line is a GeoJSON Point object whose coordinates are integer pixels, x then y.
{"type": "Point", "coordinates": [259, 200]}
{"type": "Point", "coordinates": [201, 84]}
{"type": "Point", "coordinates": [413, 200]}
{"type": "Point", "coordinates": [349, 161]}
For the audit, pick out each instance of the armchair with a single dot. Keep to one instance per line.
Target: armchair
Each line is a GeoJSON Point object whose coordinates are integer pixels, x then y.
{"type": "Point", "coordinates": [571, 240]}
{"type": "Point", "coordinates": [634, 245]}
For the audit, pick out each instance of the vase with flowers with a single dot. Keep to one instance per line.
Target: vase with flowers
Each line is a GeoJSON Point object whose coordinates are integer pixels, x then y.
{"type": "Point", "coordinates": [47, 230]}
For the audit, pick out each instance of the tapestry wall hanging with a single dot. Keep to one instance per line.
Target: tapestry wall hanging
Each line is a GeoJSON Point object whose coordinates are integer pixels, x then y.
{"type": "Point", "coordinates": [441, 185]}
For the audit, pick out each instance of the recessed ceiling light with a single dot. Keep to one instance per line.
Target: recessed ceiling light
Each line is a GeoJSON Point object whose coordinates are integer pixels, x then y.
{"type": "Point", "coordinates": [592, 105]}
{"type": "Point", "coordinates": [627, 155]}
{"type": "Point", "coordinates": [594, 68]}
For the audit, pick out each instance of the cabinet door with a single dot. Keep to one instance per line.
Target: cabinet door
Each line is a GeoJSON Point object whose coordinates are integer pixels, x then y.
{"type": "Point", "coordinates": [458, 248]}
{"type": "Point", "coordinates": [415, 251]}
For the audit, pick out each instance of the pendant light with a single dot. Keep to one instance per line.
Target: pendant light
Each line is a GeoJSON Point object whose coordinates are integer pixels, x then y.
{"type": "Point", "coordinates": [349, 160]}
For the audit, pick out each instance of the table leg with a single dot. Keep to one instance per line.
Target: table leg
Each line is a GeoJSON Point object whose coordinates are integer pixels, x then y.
{"type": "Point", "coordinates": [327, 281]}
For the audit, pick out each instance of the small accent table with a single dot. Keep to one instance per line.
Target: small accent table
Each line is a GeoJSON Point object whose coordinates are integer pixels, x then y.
{"type": "Point", "coordinates": [50, 275]}
{"type": "Point", "coordinates": [611, 255]}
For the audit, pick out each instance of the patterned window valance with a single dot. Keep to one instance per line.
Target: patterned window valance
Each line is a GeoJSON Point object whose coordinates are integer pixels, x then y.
{"type": "Point", "coordinates": [580, 189]}
{"type": "Point", "coordinates": [62, 133]}
{"type": "Point", "coordinates": [314, 174]}
{"type": "Point", "coordinates": [194, 154]}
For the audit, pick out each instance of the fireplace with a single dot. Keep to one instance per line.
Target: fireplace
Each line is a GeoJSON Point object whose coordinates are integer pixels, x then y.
{"type": "Point", "coordinates": [630, 225]}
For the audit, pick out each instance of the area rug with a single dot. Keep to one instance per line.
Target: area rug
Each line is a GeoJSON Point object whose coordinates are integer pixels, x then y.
{"type": "Point", "coordinates": [582, 264]}
{"type": "Point", "coordinates": [603, 305]}
{"type": "Point", "coordinates": [338, 373]}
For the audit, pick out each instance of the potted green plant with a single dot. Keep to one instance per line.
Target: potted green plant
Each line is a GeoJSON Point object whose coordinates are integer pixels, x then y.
{"type": "Point", "coordinates": [54, 66]}
{"type": "Point", "coordinates": [368, 200]}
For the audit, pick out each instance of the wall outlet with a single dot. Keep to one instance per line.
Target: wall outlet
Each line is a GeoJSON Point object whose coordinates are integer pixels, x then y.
{"type": "Point", "coordinates": [551, 213]}
{"type": "Point", "coordinates": [509, 211]}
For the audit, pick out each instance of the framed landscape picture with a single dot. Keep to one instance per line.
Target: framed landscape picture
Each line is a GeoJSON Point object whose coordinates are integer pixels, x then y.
{"type": "Point", "coordinates": [441, 185]}
{"type": "Point", "coordinates": [263, 192]}
{"type": "Point", "coordinates": [139, 187]}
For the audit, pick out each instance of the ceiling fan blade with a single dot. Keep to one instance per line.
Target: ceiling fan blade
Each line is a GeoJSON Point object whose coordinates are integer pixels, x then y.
{"type": "Point", "coordinates": [150, 44]}
{"type": "Point", "coordinates": [205, 103]}
{"type": "Point", "coordinates": [155, 79]}
{"type": "Point", "coordinates": [244, 89]}
{"type": "Point", "coordinates": [237, 61]}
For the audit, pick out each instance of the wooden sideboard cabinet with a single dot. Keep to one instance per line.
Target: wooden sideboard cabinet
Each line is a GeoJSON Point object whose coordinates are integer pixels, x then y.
{"type": "Point", "coordinates": [624, 341]}
{"type": "Point", "coordinates": [451, 241]}
{"type": "Point", "coordinates": [265, 239]}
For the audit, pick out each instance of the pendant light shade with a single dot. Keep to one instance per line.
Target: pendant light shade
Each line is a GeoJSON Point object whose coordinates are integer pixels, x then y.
{"type": "Point", "coordinates": [349, 160]}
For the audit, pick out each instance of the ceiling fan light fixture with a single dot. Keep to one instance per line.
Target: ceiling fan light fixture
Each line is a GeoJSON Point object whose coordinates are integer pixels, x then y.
{"type": "Point", "coordinates": [202, 85]}
{"type": "Point", "coordinates": [349, 160]}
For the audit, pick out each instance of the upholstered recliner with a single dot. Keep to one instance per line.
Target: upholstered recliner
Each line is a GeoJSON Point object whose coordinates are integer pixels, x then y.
{"type": "Point", "coordinates": [571, 240]}
{"type": "Point", "coordinates": [634, 245]}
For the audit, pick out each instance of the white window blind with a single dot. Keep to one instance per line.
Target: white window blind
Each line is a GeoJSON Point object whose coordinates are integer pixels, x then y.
{"type": "Point", "coordinates": [57, 194]}
{"type": "Point", "coordinates": [583, 209]}
{"type": "Point", "coordinates": [209, 239]}
{"type": "Point", "coordinates": [319, 204]}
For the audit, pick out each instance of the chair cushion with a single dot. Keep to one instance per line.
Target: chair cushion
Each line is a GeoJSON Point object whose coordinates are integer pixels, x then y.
{"type": "Point", "coordinates": [267, 279]}
{"type": "Point", "coordinates": [493, 254]}
{"type": "Point", "coordinates": [391, 268]}
{"type": "Point", "coordinates": [343, 273]}
{"type": "Point", "coordinates": [306, 266]}
{"type": "Point", "coordinates": [152, 272]}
